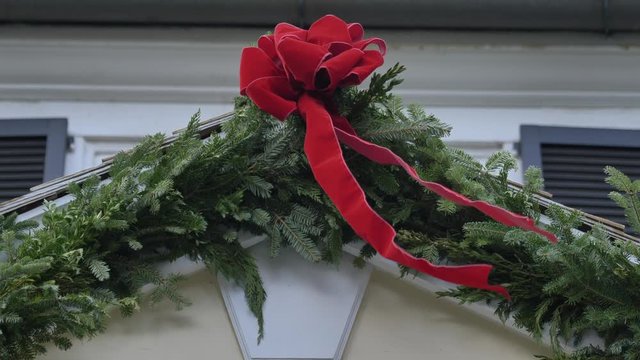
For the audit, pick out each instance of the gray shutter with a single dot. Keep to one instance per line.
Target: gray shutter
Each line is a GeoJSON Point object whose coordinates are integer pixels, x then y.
{"type": "Point", "coordinates": [31, 151]}
{"type": "Point", "coordinates": [573, 161]}
{"type": "Point", "coordinates": [573, 174]}
{"type": "Point", "coordinates": [21, 164]}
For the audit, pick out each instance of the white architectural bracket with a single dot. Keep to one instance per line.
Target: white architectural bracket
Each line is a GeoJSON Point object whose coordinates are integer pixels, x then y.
{"type": "Point", "coordinates": [310, 308]}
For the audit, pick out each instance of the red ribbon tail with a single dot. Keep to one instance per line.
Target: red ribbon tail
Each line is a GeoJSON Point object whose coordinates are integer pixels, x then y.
{"type": "Point", "coordinates": [382, 155]}
{"type": "Point", "coordinates": [333, 175]}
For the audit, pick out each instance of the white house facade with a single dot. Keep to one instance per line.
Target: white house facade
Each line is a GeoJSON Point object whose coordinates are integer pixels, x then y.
{"type": "Point", "coordinates": [115, 85]}
{"type": "Point", "coordinates": [92, 91]}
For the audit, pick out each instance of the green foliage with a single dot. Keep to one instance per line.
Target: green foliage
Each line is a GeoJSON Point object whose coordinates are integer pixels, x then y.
{"type": "Point", "coordinates": [408, 123]}
{"type": "Point", "coordinates": [586, 283]}
{"type": "Point", "coordinates": [379, 91]}
{"type": "Point", "coordinates": [59, 279]}
{"type": "Point", "coordinates": [626, 195]}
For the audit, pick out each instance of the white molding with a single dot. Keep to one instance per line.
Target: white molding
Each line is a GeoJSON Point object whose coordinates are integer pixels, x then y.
{"type": "Point", "coordinates": [226, 94]}
{"type": "Point", "coordinates": [36, 213]}
{"type": "Point", "coordinates": [520, 98]}
{"type": "Point", "coordinates": [124, 93]}
{"type": "Point", "coordinates": [196, 65]}
{"type": "Point", "coordinates": [98, 148]}
{"type": "Point", "coordinates": [225, 290]}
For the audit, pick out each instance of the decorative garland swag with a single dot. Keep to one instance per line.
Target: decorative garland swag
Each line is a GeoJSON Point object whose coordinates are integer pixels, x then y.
{"type": "Point", "coordinates": [296, 69]}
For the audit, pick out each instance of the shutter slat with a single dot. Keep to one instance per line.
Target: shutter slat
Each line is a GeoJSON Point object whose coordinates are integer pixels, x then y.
{"type": "Point", "coordinates": [606, 152]}
{"type": "Point", "coordinates": [574, 174]}
{"type": "Point", "coordinates": [15, 168]}
{"type": "Point", "coordinates": [22, 151]}
{"type": "Point", "coordinates": [606, 212]}
{"type": "Point", "coordinates": [17, 175]}
{"type": "Point", "coordinates": [565, 176]}
{"type": "Point", "coordinates": [579, 185]}
{"type": "Point", "coordinates": [582, 194]}
{"type": "Point", "coordinates": [22, 160]}
{"type": "Point", "coordinates": [591, 160]}
{"type": "Point", "coordinates": [580, 203]}
{"type": "Point", "coordinates": [10, 144]}
{"type": "Point", "coordinates": [587, 169]}
{"type": "Point", "coordinates": [18, 184]}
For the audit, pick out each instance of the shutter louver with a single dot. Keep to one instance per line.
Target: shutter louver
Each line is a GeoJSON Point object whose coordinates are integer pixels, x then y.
{"type": "Point", "coordinates": [574, 174]}
{"type": "Point", "coordinates": [22, 163]}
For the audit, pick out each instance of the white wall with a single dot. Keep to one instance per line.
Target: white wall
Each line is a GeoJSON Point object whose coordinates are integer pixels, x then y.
{"type": "Point", "coordinates": [396, 321]}
{"type": "Point", "coordinates": [399, 321]}
{"type": "Point", "coordinates": [200, 331]}
{"type": "Point", "coordinates": [100, 129]}
{"type": "Point", "coordinates": [116, 84]}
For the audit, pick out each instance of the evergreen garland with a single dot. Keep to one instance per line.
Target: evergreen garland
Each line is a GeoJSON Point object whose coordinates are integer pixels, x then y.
{"type": "Point", "coordinates": [59, 279]}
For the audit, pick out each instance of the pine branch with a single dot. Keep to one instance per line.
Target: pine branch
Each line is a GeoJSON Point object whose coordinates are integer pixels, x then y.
{"type": "Point", "coordinates": [629, 199]}
{"type": "Point", "coordinates": [297, 238]}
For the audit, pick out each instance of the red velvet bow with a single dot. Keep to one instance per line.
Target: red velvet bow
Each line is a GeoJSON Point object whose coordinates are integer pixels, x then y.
{"type": "Point", "coordinates": [296, 69]}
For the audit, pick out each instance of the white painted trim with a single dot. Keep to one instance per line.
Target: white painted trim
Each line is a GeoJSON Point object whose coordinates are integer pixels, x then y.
{"type": "Point", "coordinates": [521, 98]}
{"type": "Point", "coordinates": [125, 93]}
{"type": "Point", "coordinates": [201, 65]}
{"type": "Point", "coordinates": [344, 295]}
{"type": "Point", "coordinates": [225, 290]}
{"type": "Point", "coordinates": [36, 213]}
{"type": "Point", "coordinates": [226, 94]}
{"type": "Point", "coordinates": [95, 149]}
{"type": "Point", "coordinates": [344, 339]}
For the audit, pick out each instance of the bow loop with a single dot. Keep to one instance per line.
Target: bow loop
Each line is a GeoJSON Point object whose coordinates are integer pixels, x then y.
{"type": "Point", "coordinates": [369, 62]}
{"type": "Point", "coordinates": [267, 44]}
{"type": "Point", "coordinates": [255, 64]}
{"type": "Point", "coordinates": [356, 31]}
{"type": "Point", "coordinates": [284, 30]}
{"type": "Point", "coordinates": [329, 29]}
{"type": "Point", "coordinates": [301, 60]}
{"type": "Point", "coordinates": [379, 43]}
{"type": "Point", "coordinates": [334, 70]}
{"type": "Point", "coordinates": [274, 95]}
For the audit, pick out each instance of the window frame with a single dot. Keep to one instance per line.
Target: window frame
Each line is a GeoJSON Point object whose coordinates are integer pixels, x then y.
{"type": "Point", "coordinates": [533, 136]}
{"type": "Point", "coordinates": [54, 129]}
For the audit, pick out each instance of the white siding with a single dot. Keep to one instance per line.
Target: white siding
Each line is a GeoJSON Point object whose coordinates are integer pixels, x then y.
{"type": "Point", "coordinates": [117, 84]}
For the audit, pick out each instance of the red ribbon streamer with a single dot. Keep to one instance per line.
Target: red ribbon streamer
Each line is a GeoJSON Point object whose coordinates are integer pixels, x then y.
{"type": "Point", "coordinates": [296, 69]}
